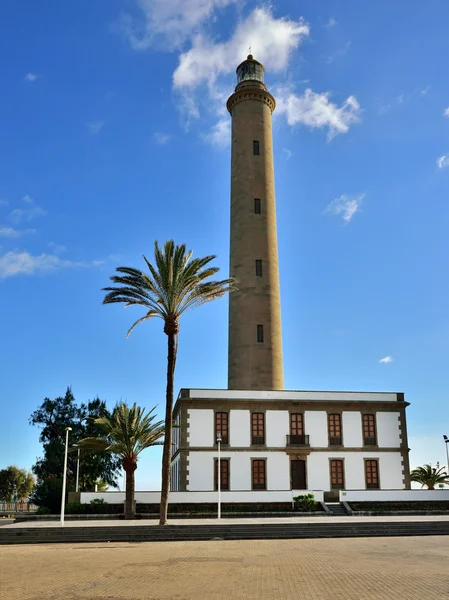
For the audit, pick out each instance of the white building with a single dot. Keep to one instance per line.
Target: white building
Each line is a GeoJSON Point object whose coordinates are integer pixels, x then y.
{"type": "Point", "coordinates": [290, 440]}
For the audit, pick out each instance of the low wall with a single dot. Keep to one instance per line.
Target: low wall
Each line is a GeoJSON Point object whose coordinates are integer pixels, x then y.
{"type": "Point", "coordinates": [255, 497]}
{"type": "Point", "coordinates": [394, 495]}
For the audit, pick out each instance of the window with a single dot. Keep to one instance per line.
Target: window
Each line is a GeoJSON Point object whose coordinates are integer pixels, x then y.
{"type": "Point", "coordinates": [260, 333]}
{"type": "Point", "coordinates": [337, 479]}
{"type": "Point", "coordinates": [256, 147]}
{"type": "Point", "coordinates": [257, 206]}
{"type": "Point", "coordinates": [369, 430]}
{"type": "Point", "coordinates": [258, 268]}
{"type": "Point", "coordinates": [224, 473]}
{"type": "Point", "coordinates": [334, 426]}
{"type": "Point", "coordinates": [259, 479]}
{"type": "Point", "coordinates": [258, 428]}
{"type": "Point", "coordinates": [372, 474]}
{"type": "Point", "coordinates": [222, 426]}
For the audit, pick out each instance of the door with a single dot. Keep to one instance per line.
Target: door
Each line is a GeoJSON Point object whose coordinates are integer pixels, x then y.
{"type": "Point", "coordinates": [298, 474]}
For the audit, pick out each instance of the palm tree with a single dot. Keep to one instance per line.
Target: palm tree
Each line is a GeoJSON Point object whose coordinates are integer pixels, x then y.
{"type": "Point", "coordinates": [175, 284]}
{"type": "Point", "coordinates": [429, 476]}
{"type": "Point", "coordinates": [127, 431]}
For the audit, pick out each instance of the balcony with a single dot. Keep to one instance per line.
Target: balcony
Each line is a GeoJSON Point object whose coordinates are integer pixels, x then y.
{"type": "Point", "coordinates": [297, 441]}
{"type": "Point", "coordinates": [258, 440]}
{"type": "Point", "coordinates": [370, 441]}
{"type": "Point", "coordinates": [335, 441]}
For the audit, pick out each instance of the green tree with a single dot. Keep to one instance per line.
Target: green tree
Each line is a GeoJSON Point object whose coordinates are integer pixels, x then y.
{"type": "Point", "coordinates": [53, 416]}
{"type": "Point", "coordinates": [127, 432]}
{"type": "Point", "coordinates": [429, 476]}
{"type": "Point", "coordinates": [47, 494]}
{"type": "Point", "coordinates": [175, 283]}
{"type": "Point", "coordinates": [15, 484]}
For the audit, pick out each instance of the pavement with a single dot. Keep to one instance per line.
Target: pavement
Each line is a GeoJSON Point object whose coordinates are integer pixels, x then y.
{"type": "Point", "coordinates": [226, 521]}
{"type": "Point", "coordinates": [409, 568]}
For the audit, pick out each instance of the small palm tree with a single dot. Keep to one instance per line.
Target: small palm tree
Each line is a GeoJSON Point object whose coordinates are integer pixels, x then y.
{"type": "Point", "coordinates": [127, 431]}
{"type": "Point", "coordinates": [429, 476]}
{"type": "Point", "coordinates": [176, 283]}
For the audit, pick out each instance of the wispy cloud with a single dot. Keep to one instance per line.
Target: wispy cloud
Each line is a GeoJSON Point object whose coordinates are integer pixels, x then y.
{"type": "Point", "coordinates": [31, 77]}
{"type": "Point", "coordinates": [425, 90]}
{"type": "Point", "coordinates": [95, 127]}
{"type": "Point", "coordinates": [57, 248]}
{"type": "Point", "coordinates": [26, 214]}
{"type": "Point", "coordinates": [345, 206]}
{"type": "Point", "coordinates": [161, 138]}
{"type": "Point", "coordinates": [167, 22]}
{"type": "Point", "coordinates": [446, 112]}
{"type": "Point", "coordinates": [339, 53]}
{"type": "Point", "coordinates": [22, 263]}
{"type": "Point", "coordinates": [331, 23]}
{"type": "Point", "coordinates": [288, 153]}
{"type": "Point", "coordinates": [220, 134]}
{"type": "Point", "coordinates": [386, 359]}
{"type": "Point", "coordinates": [10, 233]}
{"type": "Point", "coordinates": [316, 111]}
{"type": "Point", "coordinates": [443, 161]}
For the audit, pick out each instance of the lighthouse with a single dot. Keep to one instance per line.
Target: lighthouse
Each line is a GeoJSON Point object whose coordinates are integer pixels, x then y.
{"type": "Point", "coordinates": [255, 336]}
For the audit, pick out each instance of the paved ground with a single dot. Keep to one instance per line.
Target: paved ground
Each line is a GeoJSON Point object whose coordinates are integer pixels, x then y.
{"type": "Point", "coordinates": [339, 569]}
{"type": "Point", "coordinates": [225, 521]}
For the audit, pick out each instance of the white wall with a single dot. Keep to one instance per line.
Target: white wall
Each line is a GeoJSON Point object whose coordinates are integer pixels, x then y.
{"type": "Point", "coordinates": [390, 469]}
{"type": "Point", "coordinates": [277, 427]}
{"type": "Point", "coordinates": [197, 497]}
{"type": "Point", "coordinates": [315, 426]}
{"type": "Point", "coordinates": [201, 470]}
{"type": "Point", "coordinates": [393, 495]}
{"type": "Point", "coordinates": [201, 427]}
{"type": "Point", "coordinates": [299, 396]}
{"type": "Point", "coordinates": [388, 433]}
{"type": "Point", "coordinates": [352, 429]}
{"type": "Point", "coordinates": [240, 428]}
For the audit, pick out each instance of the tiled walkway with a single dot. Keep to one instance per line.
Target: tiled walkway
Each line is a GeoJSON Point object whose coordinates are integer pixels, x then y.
{"type": "Point", "coordinates": [343, 569]}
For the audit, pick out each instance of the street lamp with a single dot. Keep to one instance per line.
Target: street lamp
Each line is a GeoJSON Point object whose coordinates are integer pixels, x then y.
{"type": "Point", "coordinates": [77, 471]}
{"type": "Point", "coordinates": [446, 441]}
{"type": "Point", "coordinates": [64, 477]}
{"type": "Point", "coordinates": [219, 475]}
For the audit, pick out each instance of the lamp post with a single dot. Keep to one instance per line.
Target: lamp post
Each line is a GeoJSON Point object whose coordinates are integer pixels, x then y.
{"type": "Point", "coordinates": [77, 471]}
{"type": "Point", "coordinates": [446, 441]}
{"type": "Point", "coordinates": [219, 475]}
{"type": "Point", "coordinates": [64, 477]}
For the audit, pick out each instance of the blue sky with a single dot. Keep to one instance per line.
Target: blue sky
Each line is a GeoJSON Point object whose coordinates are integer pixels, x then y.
{"type": "Point", "coordinates": [114, 133]}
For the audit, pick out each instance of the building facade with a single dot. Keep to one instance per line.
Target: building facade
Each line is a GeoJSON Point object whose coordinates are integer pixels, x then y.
{"type": "Point", "coordinates": [290, 440]}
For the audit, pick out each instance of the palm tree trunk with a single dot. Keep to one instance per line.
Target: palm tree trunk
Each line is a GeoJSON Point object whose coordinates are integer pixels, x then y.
{"type": "Point", "coordinates": [166, 456]}
{"type": "Point", "coordinates": [129, 466]}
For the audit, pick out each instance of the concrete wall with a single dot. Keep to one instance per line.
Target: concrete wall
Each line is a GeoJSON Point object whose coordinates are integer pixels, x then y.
{"type": "Point", "coordinates": [315, 426]}
{"type": "Point", "coordinates": [200, 427]}
{"type": "Point", "coordinates": [199, 497]}
{"type": "Point", "coordinates": [240, 428]}
{"type": "Point", "coordinates": [277, 426]}
{"type": "Point", "coordinates": [388, 433]}
{"type": "Point", "coordinates": [394, 495]}
{"type": "Point", "coordinates": [352, 429]}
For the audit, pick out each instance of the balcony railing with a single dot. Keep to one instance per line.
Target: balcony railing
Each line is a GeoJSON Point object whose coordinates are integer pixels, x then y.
{"type": "Point", "coordinates": [335, 441]}
{"type": "Point", "coordinates": [258, 440]}
{"type": "Point", "coordinates": [298, 440]}
{"type": "Point", "coordinates": [370, 441]}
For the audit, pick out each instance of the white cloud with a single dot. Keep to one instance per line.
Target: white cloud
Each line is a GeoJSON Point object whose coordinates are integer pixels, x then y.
{"type": "Point", "coordinates": [345, 206]}
{"type": "Point", "coordinates": [443, 161]}
{"type": "Point", "coordinates": [331, 23]}
{"type": "Point", "coordinates": [10, 233]}
{"type": "Point", "coordinates": [57, 248]}
{"type": "Point", "coordinates": [26, 214]}
{"type": "Point", "coordinates": [162, 138]}
{"type": "Point", "coordinates": [424, 91]}
{"type": "Point", "coordinates": [22, 263]}
{"type": "Point", "coordinates": [95, 127]}
{"type": "Point", "coordinates": [220, 135]}
{"type": "Point", "coordinates": [272, 42]}
{"type": "Point", "coordinates": [316, 111]}
{"type": "Point", "coordinates": [386, 359]}
{"type": "Point", "coordinates": [28, 199]}
{"type": "Point", "coordinates": [288, 153]}
{"type": "Point", "coordinates": [31, 77]}
{"type": "Point", "coordinates": [446, 112]}
{"type": "Point", "coordinates": [168, 21]}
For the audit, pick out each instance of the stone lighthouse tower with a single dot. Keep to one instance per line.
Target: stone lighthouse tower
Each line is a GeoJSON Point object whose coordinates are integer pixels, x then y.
{"type": "Point", "coordinates": [255, 337]}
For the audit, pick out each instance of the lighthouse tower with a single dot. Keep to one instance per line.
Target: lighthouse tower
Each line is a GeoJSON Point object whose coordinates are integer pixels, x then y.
{"type": "Point", "coordinates": [255, 337]}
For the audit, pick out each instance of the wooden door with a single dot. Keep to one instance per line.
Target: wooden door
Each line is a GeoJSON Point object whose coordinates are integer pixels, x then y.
{"type": "Point", "coordinates": [298, 474]}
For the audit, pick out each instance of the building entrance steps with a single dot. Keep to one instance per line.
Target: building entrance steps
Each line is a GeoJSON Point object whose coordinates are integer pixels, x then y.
{"type": "Point", "coordinates": [337, 509]}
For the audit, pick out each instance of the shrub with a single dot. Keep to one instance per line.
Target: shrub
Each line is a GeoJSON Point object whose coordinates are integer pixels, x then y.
{"type": "Point", "coordinates": [305, 503]}
{"type": "Point", "coordinates": [43, 510]}
{"type": "Point", "coordinates": [96, 507]}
